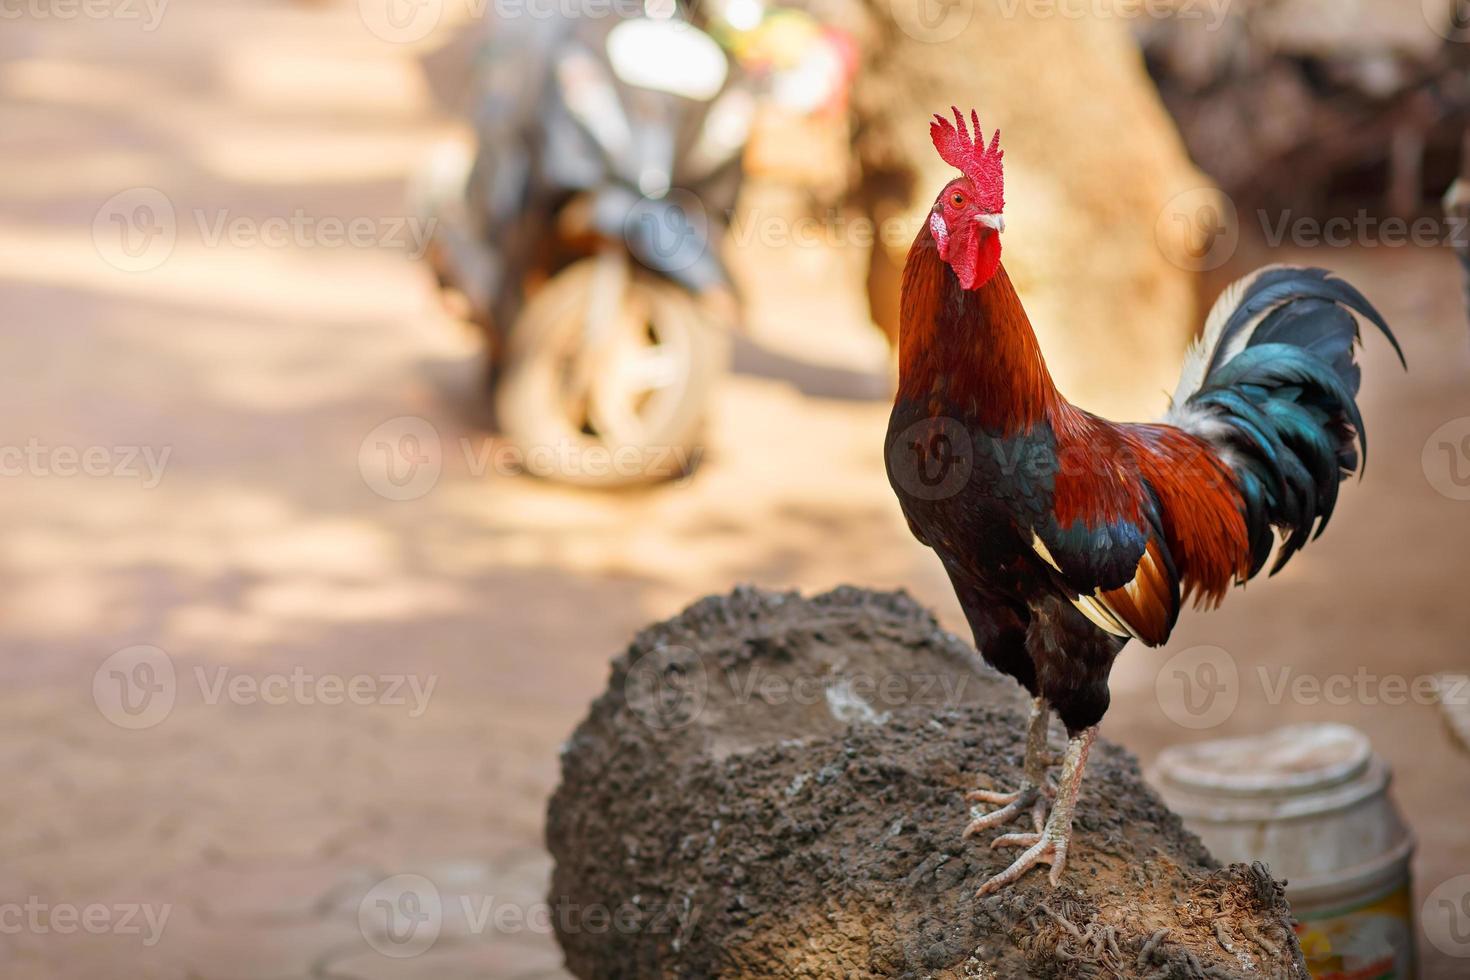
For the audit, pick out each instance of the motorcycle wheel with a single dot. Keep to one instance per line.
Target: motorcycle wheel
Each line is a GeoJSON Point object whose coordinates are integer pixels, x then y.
{"type": "Point", "coordinates": [615, 402]}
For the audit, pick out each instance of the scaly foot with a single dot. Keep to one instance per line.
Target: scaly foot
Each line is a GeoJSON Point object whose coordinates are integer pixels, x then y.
{"type": "Point", "coordinates": [1030, 796]}
{"type": "Point", "coordinates": [1012, 806]}
{"type": "Point", "coordinates": [1050, 842]}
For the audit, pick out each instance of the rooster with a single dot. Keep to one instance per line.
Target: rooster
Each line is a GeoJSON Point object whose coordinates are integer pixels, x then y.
{"type": "Point", "coordinates": [1067, 535]}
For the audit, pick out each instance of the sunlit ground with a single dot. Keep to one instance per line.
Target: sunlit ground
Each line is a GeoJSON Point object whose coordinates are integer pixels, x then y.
{"type": "Point", "coordinates": [250, 374]}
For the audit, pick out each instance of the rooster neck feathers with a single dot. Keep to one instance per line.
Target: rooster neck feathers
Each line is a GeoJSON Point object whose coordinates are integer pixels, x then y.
{"type": "Point", "coordinates": [970, 353]}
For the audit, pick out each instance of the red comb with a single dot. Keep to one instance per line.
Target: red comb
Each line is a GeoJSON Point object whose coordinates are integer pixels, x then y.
{"type": "Point", "coordinates": [969, 155]}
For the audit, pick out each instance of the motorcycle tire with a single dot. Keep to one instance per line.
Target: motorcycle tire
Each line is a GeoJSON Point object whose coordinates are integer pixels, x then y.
{"type": "Point", "coordinates": [654, 381]}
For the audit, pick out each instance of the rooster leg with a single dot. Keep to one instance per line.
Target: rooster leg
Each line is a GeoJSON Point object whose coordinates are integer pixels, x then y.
{"type": "Point", "coordinates": [1029, 796]}
{"type": "Point", "coordinates": [1049, 843]}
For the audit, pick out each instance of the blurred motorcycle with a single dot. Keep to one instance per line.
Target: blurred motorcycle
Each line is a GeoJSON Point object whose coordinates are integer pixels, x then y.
{"type": "Point", "coordinates": [583, 236]}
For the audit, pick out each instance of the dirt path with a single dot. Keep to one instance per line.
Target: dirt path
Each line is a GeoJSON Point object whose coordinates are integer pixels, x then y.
{"type": "Point", "coordinates": [256, 803]}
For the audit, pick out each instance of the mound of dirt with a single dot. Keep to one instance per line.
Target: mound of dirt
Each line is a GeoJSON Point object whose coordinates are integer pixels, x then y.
{"type": "Point", "coordinates": [773, 787]}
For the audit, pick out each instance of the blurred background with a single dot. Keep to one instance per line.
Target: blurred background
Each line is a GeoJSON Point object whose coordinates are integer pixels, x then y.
{"type": "Point", "coordinates": [376, 369]}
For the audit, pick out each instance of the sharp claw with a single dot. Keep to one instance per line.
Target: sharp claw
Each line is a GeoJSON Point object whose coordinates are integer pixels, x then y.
{"type": "Point", "coordinates": [1012, 806]}
{"type": "Point", "coordinates": [1048, 849]}
{"type": "Point", "coordinates": [1038, 814]}
{"type": "Point", "coordinates": [991, 796]}
{"type": "Point", "coordinates": [1016, 840]}
{"type": "Point", "coordinates": [995, 818]}
{"type": "Point", "coordinates": [1051, 841]}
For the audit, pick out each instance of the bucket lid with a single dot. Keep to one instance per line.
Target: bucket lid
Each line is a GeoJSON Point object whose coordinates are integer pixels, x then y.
{"type": "Point", "coordinates": [1291, 761]}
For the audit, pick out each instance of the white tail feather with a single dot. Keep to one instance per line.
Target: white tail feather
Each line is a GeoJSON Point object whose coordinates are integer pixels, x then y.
{"type": "Point", "coordinates": [1201, 352]}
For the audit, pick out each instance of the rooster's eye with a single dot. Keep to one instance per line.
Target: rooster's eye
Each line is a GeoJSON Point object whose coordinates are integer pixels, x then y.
{"type": "Point", "coordinates": [957, 199]}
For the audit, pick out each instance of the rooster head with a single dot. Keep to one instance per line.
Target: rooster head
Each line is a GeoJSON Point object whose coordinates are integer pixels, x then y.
{"type": "Point", "coordinates": [968, 216]}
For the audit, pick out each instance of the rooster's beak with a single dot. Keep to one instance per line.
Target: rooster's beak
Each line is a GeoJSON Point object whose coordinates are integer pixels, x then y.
{"type": "Point", "coordinates": [996, 222]}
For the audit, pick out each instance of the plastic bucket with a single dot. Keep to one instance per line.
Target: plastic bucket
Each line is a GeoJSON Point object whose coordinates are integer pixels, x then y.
{"type": "Point", "coordinates": [1312, 802]}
